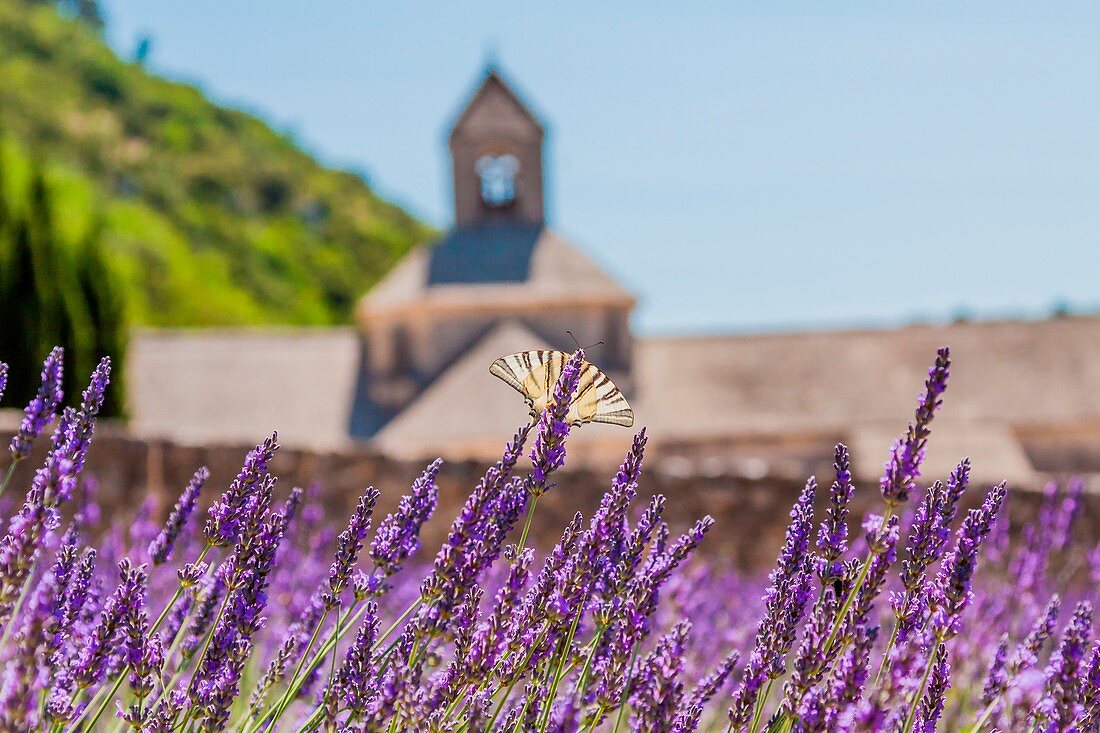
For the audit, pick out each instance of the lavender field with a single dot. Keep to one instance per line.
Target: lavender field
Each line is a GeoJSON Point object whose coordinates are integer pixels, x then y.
{"type": "Point", "coordinates": [240, 609]}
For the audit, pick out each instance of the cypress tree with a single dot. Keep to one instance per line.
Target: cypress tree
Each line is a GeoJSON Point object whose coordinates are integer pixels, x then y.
{"type": "Point", "coordinates": [101, 294]}
{"type": "Point", "coordinates": [51, 295]}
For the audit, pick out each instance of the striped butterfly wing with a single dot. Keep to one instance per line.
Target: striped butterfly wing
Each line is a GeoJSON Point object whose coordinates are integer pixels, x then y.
{"type": "Point", "coordinates": [531, 373]}
{"type": "Point", "coordinates": [534, 374]}
{"type": "Point", "coordinates": [599, 400]}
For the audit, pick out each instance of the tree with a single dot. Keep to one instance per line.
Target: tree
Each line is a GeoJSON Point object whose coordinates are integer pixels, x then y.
{"type": "Point", "coordinates": [52, 293]}
{"type": "Point", "coordinates": [101, 292]}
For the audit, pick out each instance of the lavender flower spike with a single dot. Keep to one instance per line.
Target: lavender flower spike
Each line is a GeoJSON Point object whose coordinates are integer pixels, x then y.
{"type": "Point", "coordinates": [832, 537]}
{"type": "Point", "coordinates": [79, 433]}
{"type": "Point", "coordinates": [349, 544]}
{"type": "Point", "coordinates": [1090, 695]}
{"type": "Point", "coordinates": [785, 601]}
{"type": "Point", "coordinates": [160, 549]}
{"type": "Point", "coordinates": [41, 409]}
{"type": "Point", "coordinates": [3, 378]}
{"type": "Point", "coordinates": [356, 676]}
{"type": "Point", "coordinates": [1027, 653]}
{"type": "Point", "coordinates": [1063, 687]}
{"type": "Point", "coordinates": [957, 571]}
{"type": "Point", "coordinates": [398, 536]}
{"type": "Point", "coordinates": [907, 454]}
{"type": "Point", "coordinates": [90, 667]}
{"type": "Point", "coordinates": [226, 516]}
{"type": "Point", "coordinates": [931, 706]}
{"type": "Point", "coordinates": [548, 452]}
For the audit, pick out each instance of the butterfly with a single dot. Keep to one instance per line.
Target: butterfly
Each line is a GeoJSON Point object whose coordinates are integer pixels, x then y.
{"type": "Point", "coordinates": [534, 373]}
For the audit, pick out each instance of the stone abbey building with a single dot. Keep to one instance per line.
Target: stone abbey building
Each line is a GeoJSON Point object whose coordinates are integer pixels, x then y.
{"type": "Point", "coordinates": [411, 378]}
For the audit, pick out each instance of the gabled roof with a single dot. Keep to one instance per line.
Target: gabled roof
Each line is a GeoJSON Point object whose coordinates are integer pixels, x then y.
{"type": "Point", "coordinates": [490, 252]}
{"type": "Point", "coordinates": [493, 81]}
{"type": "Point", "coordinates": [555, 271]}
{"type": "Point", "coordinates": [468, 412]}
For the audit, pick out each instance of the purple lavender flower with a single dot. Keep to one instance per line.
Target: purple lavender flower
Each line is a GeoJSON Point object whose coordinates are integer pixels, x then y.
{"type": "Point", "coordinates": [349, 544]}
{"type": "Point", "coordinates": [23, 671]}
{"type": "Point", "coordinates": [630, 557]}
{"type": "Point", "coordinates": [1027, 653]}
{"type": "Point", "coordinates": [812, 658]}
{"type": "Point", "coordinates": [78, 433]}
{"type": "Point", "coordinates": [995, 679]}
{"type": "Point", "coordinates": [477, 534]}
{"type": "Point", "coordinates": [191, 573]}
{"type": "Point", "coordinates": [226, 517]}
{"type": "Point", "coordinates": [907, 453]}
{"type": "Point", "coordinates": [784, 600]}
{"type": "Point", "coordinates": [587, 615]}
{"type": "Point", "coordinates": [658, 687]}
{"type": "Point", "coordinates": [645, 588]}
{"type": "Point", "coordinates": [793, 556]}
{"type": "Point", "coordinates": [160, 549]}
{"type": "Point", "coordinates": [612, 662]}
{"type": "Point", "coordinates": [206, 605]}
{"type": "Point", "coordinates": [463, 627]}
{"type": "Point", "coordinates": [536, 606]}
{"type": "Point", "coordinates": [931, 705]}
{"type": "Point", "coordinates": [957, 571]}
{"type": "Point", "coordinates": [143, 653]}
{"type": "Point", "coordinates": [59, 699]}
{"type": "Point", "coordinates": [356, 678]}
{"type": "Point", "coordinates": [162, 718]}
{"type": "Point", "coordinates": [1090, 691]}
{"type": "Point", "coordinates": [816, 714]}
{"type": "Point", "coordinates": [882, 543]}
{"type": "Point", "coordinates": [91, 664]}
{"type": "Point", "coordinates": [41, 409]}
{"type": "Point", "coordinates": [607, 531]}
{"type": "Point", "coordinates": [885, 709]}
{"type": "Point", "coordinates": [1059, 707]}
{"type": "Point", "coordinates": [957, 484]}
{"type": "Point", "coordinates": [691, 709]}
{"type": "Point", "coordinates": [215, 684]}
{"type": "Point", "coordinates": [922, 547]}
{"type": "Point", "coordinates": [548, 452]}
{"type": "Point", "coordinates": [70, 604]}
{"type": "Point", "coordinates": [19, 549]}
{"type": "Point", "coordinates": [850, 676]}
{"type": "Point", "coordinates": [832, 537]}
{"type": "Point", "coordinates": [398, 535]}
{"type": "Point", "coordinates": [3, 378]}
{"type": "Point", "coordinates": [1061, 530]}
{"type": "Point", "coordinates": [488, 642]}
{"type": "Point", "coordinates": [297, 636]}
{"type": "Point", "coordinates": [53, 483]}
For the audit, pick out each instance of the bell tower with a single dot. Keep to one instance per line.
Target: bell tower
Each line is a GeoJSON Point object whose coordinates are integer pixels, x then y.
{"type": "Point", "coordinates": [496, 158]}
{"type": "Point", "coordinates": [499, 273]}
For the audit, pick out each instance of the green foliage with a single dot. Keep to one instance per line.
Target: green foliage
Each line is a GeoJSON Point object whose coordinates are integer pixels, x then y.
{"type": "Point", "coordinates": [208, 216]}
{"type": "Point", "coordinates": [54, 292]}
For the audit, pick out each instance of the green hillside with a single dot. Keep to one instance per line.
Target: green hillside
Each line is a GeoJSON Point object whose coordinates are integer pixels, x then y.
{"type": "Point", "coordinates": [208, 216]}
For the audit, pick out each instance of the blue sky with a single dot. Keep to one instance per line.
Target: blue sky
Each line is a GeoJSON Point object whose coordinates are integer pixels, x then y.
{"type": "Point", "coordinates": [740, 166]}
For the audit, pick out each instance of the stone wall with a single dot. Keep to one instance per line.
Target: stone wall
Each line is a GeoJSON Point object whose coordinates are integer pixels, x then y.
{"type": "Point", "coordinates": [751, 513]}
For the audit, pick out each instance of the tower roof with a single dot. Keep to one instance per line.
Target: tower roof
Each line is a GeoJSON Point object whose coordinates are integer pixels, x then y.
{"type": "Point", "coordinates": [493, 84]}
{"type": "Point", "coordinates": [491, 252]}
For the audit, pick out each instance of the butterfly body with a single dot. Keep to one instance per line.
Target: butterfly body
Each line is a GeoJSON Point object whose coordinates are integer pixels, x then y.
{"type": "Point", "coordinates": [534, 373]}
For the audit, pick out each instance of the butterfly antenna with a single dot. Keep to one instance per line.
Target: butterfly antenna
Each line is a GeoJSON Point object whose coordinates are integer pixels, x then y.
{"type": "Point", "coordinates": [578, 343]}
